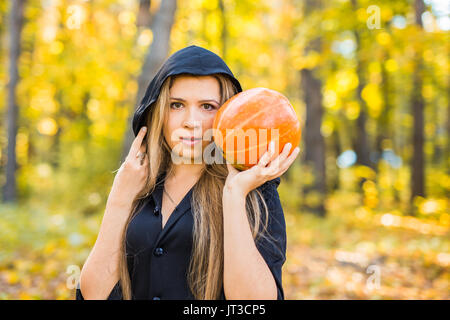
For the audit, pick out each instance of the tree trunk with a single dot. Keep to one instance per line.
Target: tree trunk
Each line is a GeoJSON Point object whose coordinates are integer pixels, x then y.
{"type": "Point", "coordinates": [156, 55]}
{"type": "Point", "coordinates": [417, 106]}
{"type": "Point", "coordinates": [314, 141]}
{"type": "Point", "coordinates": [144, 17]}
{"type": "Point", "coordinates": [224, 34]}
{"type": "Point", "coordinates": [314, 154]}
{"type": "Point", "coordinates": [337, 151]}
{"type": "Point", "coordinates": [361, 142]}
{"type": "Point", "coordinates": [447, 148]}
{"type": "Point", "coordinates": [15, 24]}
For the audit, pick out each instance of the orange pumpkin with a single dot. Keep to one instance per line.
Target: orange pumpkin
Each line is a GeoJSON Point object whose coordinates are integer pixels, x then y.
{"type": "Point", "coordinates": [248, 121]}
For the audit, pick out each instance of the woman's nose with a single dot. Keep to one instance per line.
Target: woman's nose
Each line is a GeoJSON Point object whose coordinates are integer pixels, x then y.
{"type": "Point", "coordinates": [192, 123]}
{"type": "Point", "coordinates": [192, 120]}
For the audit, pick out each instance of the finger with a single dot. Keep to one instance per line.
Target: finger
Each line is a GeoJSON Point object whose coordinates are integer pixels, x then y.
{"type": "Point", "coordinates": [143, 148]}
{"type": "Point", "coordinates": [286, 149]}
{"type": "Point", "coordinates": [137, 142]}
{"type": "Point", "coordinates": [290, 159]}
{"type": "Point", "coordinates": [142, 158]}
{"type": "Point", "coordinates": [294, 154]}
{"type": "Point", "coordinates": [279, 160]}
{"type": "Point", "coordinates": [274, 150]}
{"type": "Point", "coordinates": [145, 160]}
{"type": "Point", "coordinates": [283, 161]}
{"type": "Point", "coordinates": [268, 155]}
{"type": "Point", "coordinates": [264, 160]}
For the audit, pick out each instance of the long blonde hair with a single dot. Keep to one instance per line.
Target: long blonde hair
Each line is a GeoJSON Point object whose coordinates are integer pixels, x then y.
{"type": "Point", "coordinates": [205, 274]}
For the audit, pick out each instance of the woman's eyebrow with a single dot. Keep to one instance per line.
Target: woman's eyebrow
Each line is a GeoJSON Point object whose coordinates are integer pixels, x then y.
{"type": "Point", "coordinates": [206, 100]}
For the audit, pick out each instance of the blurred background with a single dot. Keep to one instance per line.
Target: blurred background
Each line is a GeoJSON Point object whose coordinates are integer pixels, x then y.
{"type": "Point", "coordinates": [366, 202]}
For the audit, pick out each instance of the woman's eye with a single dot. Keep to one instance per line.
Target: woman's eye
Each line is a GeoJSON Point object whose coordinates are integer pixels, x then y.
{"type": "Point", "coordinates": [174, 103]}
{"type": "Point", "coordinates": [207, 106]}
{"type": "Point", "coordinates": [212, 107]}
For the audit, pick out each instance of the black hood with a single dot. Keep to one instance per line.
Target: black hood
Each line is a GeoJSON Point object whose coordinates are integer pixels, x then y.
{"type": "Point", "coordinates": [191, 60]}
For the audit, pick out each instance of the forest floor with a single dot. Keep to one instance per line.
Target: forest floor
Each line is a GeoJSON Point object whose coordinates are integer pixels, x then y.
{"type": "Point", "coordinates": [353, 253]}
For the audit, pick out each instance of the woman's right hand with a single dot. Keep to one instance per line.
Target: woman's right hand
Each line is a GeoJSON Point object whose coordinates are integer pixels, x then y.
{"type": "Point", "coordinates": [132, 174]}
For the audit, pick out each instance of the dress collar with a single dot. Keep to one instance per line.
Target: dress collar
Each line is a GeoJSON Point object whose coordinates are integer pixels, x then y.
{"type": "Point", "coordinates": [183, 206]}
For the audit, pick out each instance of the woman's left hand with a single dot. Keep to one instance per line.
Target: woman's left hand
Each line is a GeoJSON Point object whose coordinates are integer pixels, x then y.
{"type": "Point", "coordinates": [269, 167]}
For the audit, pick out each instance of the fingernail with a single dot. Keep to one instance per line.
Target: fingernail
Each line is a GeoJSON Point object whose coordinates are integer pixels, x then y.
{"type": "Point", "coordinates": [144, 129]}
{"type": "Point", "coordinates": [288, 146]}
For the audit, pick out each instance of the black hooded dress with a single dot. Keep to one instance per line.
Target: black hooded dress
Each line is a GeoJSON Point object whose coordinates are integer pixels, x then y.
{"type": "Point", "coordinates": [158, 258]}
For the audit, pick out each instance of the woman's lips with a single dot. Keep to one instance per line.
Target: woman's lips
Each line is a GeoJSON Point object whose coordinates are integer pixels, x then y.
{"type": "Point", "coordinates": [190, 141]}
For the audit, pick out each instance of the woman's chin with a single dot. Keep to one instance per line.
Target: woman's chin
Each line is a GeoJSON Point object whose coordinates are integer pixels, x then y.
{"type": "Point", "coordinates": [191, 157]}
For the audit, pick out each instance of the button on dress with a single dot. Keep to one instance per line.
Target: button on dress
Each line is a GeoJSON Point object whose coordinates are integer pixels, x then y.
{"type": "Point", "coordinates": [158, 258]}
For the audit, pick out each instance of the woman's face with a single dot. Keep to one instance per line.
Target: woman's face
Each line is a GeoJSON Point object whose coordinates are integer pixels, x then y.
{"type": "Point", "coordinates": [194, 101]}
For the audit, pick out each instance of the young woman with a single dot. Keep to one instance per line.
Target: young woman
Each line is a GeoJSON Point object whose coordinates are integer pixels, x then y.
{"type": "Point", "coordinates": [188, 229]}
